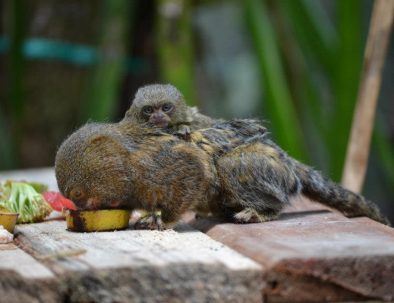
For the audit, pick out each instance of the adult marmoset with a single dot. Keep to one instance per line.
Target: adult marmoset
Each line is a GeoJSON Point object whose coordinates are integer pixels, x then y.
{"type": "Point", "coordinates": [102, 166]}
{"type": "Point", "coordinates": [232, 169]}
{"type": "Point", "coordinates": [163, 106]}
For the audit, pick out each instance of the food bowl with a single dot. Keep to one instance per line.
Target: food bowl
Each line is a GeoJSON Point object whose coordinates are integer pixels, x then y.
{"type": "Point", "coordinates": [97, 220]}
{"type": "Point", "coordinates": [8, 220]}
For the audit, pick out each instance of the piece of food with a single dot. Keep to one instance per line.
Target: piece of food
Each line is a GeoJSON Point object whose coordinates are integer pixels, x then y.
{"type": "Point", "coordinates": [5, 236]}
{"type": "Point", "coordinates": [23, 199]}
{"type": "Point", "coordinates": [8, 219]}
{"type": "Point", "coordinates": [97, 220]}
{"type": "Point", "coordinates": [57, 201]}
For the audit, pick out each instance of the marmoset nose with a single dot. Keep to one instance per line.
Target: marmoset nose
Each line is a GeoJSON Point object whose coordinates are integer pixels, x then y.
{"type": "Point", "coordinates": [158, 116]}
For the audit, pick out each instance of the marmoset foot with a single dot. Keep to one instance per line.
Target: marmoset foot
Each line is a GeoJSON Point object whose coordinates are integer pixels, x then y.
{"type": "Point", "coordinates": [152, 221]}
{"type": "Point", "coordinates": [250, 215]}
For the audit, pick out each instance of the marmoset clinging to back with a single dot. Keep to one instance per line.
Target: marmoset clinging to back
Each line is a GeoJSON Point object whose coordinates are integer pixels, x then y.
{"type": "Point", "coordinates": [163, 106]}
{"type": "Point", "coordinates": [232, 169]}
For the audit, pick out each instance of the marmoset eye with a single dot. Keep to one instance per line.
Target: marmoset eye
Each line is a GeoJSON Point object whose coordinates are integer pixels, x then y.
{"type": "Point", "coordinates": [167, 107]}
{"type": "Point", "coordinates": [147, 110]}
{"type": "Point", "coordinates": [76, 193]}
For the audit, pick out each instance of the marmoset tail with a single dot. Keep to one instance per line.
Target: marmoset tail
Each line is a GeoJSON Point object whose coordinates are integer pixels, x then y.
{"type": "Point", "coordinates": [323, 190]}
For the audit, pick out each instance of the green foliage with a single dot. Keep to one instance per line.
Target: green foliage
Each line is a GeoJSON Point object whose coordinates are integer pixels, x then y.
{"type": "Point", "coordinates": [16, 25]}
{"type": "Point", "coordinates": [109, 71]}
{"type": "Point", "coordinates": [381, 141]}
{"type": "Point", "coordinates": [7, 149]}
{"type": "Point", "coordinates": [325, 59]}
{"type": "Point", "coordinates": [280, 108]}
{"type": "Point", "coordinates": [314, 31]}
{"type": "Point", "coordinates": [175, 46]}
{"type": "Point", "coordinates": [348, 62]}
{"type": "Point", "coordinates": [15, 68]}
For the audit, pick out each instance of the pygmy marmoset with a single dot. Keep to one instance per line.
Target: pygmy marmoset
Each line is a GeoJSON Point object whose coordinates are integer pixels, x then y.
{"type": "Point", "coordinates": [163, 106]}
{"type": "Point", "coordinates": [232, 170]}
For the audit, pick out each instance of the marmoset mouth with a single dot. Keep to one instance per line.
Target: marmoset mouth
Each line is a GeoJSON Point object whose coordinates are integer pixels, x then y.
{"type": "Point", "coordinates": [161, 123]}
{"type": "Point", "coordinates": [92, 204]}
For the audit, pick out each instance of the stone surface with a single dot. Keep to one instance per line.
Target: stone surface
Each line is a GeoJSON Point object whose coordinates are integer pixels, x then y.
{"type": "Point", "coordinates": [142, 266]}
{"type": "Point", "coordinates": [311, 254]}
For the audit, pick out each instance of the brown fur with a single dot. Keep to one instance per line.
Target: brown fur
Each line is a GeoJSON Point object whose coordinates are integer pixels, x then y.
{"type": "Point", "coordinates": [232, 170]}
{"type": "Point", "coordinates": [118, 166]}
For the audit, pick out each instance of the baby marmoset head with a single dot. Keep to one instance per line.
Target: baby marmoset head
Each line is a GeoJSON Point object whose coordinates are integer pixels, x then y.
{"type": "Point", "coordinates": [160, 105]}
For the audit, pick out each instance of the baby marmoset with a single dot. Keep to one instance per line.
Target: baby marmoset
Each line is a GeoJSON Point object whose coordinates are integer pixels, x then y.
{"type": "Point", "coordinates": [163, 106]}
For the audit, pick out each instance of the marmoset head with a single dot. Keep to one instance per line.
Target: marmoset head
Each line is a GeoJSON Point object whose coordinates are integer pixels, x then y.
{"type": "Point", "coordinates": [92, 170]}
{"type": "Point", "coordinates": [160, 105]}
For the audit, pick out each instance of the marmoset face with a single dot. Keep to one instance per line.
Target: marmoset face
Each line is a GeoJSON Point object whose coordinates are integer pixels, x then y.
{"type": "Point", "coordinates": [160, 105]}
{"type": "Point", "coordinates": [158, 114]}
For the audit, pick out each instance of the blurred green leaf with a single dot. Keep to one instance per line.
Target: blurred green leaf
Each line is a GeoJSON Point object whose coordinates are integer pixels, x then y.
{"type": "Point", "coordinates": [280, 109]}
{"type": "Point", "coordinates": [347, 62]}
{"type": "Point", "coordinates": [314, 30]}
{"type": "Point", "coordinates": [300, 74]}
{"type": "Point", "coordinates": [16, 27]}
{"type": "Point", "coordinates": [175, 46]}
{"type": "Point", "coordinates": [7, 148]}
{"type": "Point", "coordinates": [385, 149]}
{"type": "Point", "coordinates": [107, 76]}
{"type": "Point", "coordinates": [16, 62]}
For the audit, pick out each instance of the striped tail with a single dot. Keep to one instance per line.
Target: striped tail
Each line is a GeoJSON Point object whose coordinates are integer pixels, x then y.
{"type": "Point", "coordinates": [319, 188]}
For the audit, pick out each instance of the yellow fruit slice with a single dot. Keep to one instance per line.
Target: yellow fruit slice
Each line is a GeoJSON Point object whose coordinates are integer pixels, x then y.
{"type": "Point", "coordinates": [97, 220]}
{"type": "Point", "coordinates": [8, 220]}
